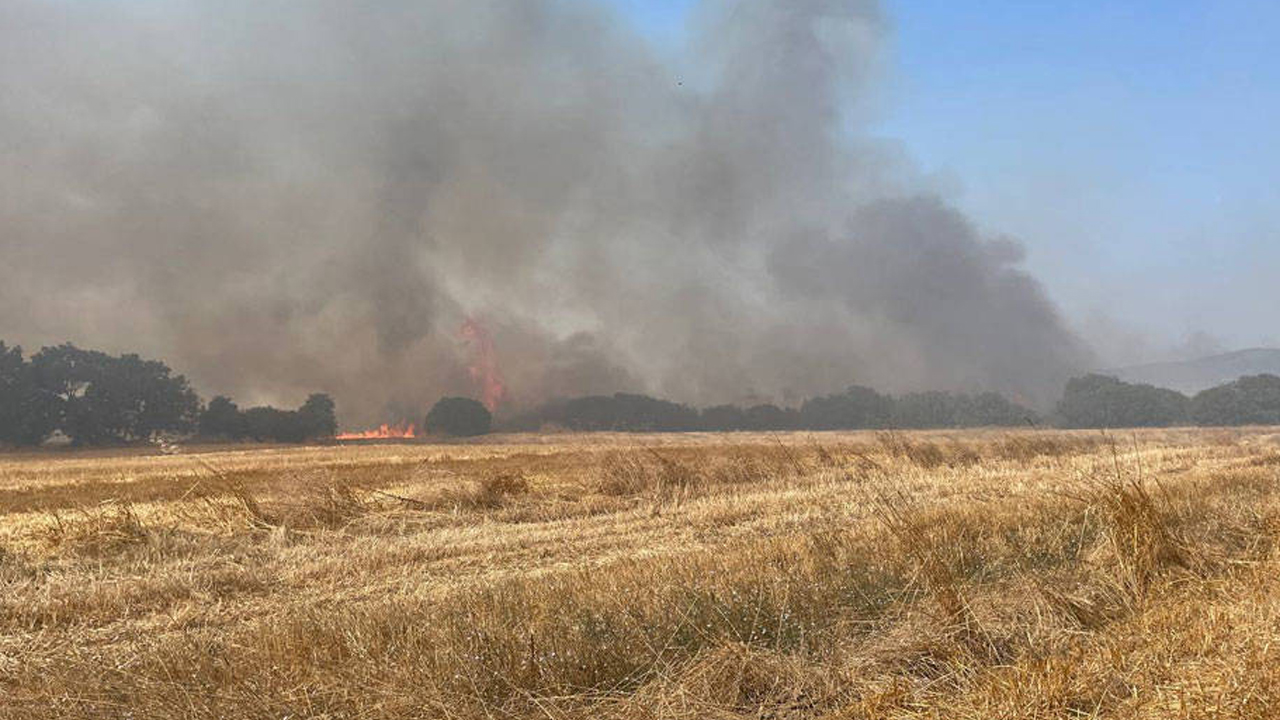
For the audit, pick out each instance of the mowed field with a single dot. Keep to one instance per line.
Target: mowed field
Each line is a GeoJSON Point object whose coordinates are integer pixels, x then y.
{"type": "Point", "coordinates": [983, 574]}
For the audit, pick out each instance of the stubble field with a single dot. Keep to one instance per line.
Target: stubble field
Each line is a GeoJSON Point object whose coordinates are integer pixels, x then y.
{"type": "Point", "coordinates": [982, 574]}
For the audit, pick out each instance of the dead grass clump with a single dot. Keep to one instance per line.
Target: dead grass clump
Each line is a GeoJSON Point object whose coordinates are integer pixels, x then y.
{"type": "Point", "coordinates": [14, 566]}
{"type": "Point", "coordinates": [673, 474]}
{"type": "Point", "coordinates": [1224, 438]}
{"type": "Point", "coordinates": [921, 453]}
{"type": "Point", "coordinates": [1140, 534]}
{"type": "Point", "coordinates": [253, 511]}
{"type": "Point", "coordinates": [227, 505]}
{"type": "Point", "coordinates": [498, 487]}
{"type": "Point", "coordinates": [491, 491]}
{"type": "Point", "coordinates": [927, 454]}
{"type": "Point", "coordinates": [1025, 448]}
{"type": "Point", "coordinates": [957, 631]}
{"type": "Point", "coordinates": [916, 542]}
{"type": "Point", "coordinates": [319, 500]}
{"type": "Point", "coordinates": [328, 505]}
{"type": "Point", "coordinates": [1089, 608]}
{"type": "Point", "coordinates": [926, 542]}
{"type": "Point", "coordinates": [623, 474]}
{"type": "Point", "coordinates": [744, 681]}
{"type": "Point", "coordinates": [746, 467]}
{"type": "Point", "coordinates": [668, 477]}
{"type": "Point", "coordinates": [650, 473]}
{"type": "Point", "coordinates": [1271, 459]}
{"type": "Point", "coordinates": [962, 455]}
{"type": "Point", "coordinates": [98, 531]}
{"type": "Point", "coordinates": [223, 499]}
{"type": "Point", "coordinates": [1139, 542]}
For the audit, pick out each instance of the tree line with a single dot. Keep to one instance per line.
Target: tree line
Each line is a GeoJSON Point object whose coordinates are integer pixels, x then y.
{"type": "Point", "coordinates": [98, 399]}
{"type": "Point", "coordinates": [1090, 401]}
{"type": "Point", "coordinates": [854, 409]}
{"type": "Point", "coordinates": [1102, 401]}
{"type": "Point", "coordinates": [222, 419]}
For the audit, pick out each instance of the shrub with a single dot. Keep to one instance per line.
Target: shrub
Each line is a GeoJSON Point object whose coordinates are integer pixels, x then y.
{"type": "Point", "coordinates": [222, 419]}
{"type": "Point", "coordinates": [459, 416]}
{"type": "Point", "coordinates": [1099, 401]}
{"type": "Point", "coordinates": [317, 416]}
{"type": "Point", "coordinates": [1253, 400]}
{"type": "Point", "coordinates": [723, 417]}
{"type": "Point", "coordinates": [854, 409]}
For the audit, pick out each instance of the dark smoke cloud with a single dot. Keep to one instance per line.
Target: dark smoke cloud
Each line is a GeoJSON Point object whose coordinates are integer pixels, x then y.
{"type": "Point", "coordinates": [281, 197]}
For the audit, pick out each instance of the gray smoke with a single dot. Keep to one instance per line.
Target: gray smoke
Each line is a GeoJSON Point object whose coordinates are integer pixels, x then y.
{"type": "Point", "coordinates": [284, 197]}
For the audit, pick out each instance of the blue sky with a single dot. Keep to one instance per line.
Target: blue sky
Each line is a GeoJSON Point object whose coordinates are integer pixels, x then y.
{"type": "Point", "coordinates": [1132, 146]}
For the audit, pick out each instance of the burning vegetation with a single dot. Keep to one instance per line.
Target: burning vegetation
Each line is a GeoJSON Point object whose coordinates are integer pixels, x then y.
{"type": "Point", "coordinates": [483, 367]}
{"type": "Point", "coordinates": [384, 431]}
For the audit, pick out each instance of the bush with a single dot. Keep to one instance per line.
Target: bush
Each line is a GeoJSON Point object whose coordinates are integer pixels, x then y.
{"type": "Point", "coordinates": [459, 416]}
{"type": "Point", "coordinates": [992, 409]}
{"type": "Point", "coordinates": [855, 409]}
{"type": "Point", "coordinates": [621, 412]}
{"type": "Point", "coordinates": [318, 417]}
{"type": "Point", "coordinates": [769, 417]}
{"type": "Point", "coordinates": [1253, 400]}
{"type": "Point", "coordinates": [723, 417]}
{"type": "Point", "coordinates": [222, 419]}
{"type": "Point", "coordinates": [268, 424]}
{"type": "Point", "coordinates": [1099, 401]}
{"type": "Point", "coordinates": [944, 410]}
{"type": "Point", "coordinates": [925, 410]}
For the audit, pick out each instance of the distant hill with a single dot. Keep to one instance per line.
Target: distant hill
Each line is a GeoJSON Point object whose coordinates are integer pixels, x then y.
{"type": "Point", "coordinates": [1192, 376]}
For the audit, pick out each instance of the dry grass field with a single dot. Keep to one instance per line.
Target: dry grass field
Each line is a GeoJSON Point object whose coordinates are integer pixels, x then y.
{"type": "Point", "coordinates": [973, 575]}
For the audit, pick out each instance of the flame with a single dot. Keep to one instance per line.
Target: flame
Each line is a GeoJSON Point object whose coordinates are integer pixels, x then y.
{"type": "Point", "coordinates": [383, 432]}
{"type": "Point", "coordinates": [484, 367]}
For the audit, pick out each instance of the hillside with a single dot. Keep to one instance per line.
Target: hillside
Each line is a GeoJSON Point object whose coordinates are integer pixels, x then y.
{"type": "Point", "coordinates": [1192, 376]}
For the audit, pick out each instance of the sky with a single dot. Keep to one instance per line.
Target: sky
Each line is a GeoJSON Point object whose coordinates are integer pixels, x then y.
{"type": "Point", "coordinates": [355, 182]}
{"type": "Point", "coordinates": [1132, 147]}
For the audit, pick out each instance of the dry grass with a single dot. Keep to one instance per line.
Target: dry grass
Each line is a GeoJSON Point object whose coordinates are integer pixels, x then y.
{"type": "Point", "coordinates": [863, 576]}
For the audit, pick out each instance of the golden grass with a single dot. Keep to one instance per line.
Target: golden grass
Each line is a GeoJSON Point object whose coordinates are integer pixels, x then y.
{"type": "Point", "coordinates": [978, 574]}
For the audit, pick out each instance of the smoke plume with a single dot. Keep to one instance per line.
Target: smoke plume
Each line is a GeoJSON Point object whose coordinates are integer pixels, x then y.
{"type": "Point", "coordinates": [277, 198]}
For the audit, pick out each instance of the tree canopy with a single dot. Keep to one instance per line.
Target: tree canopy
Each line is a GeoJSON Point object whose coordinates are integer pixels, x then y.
{"type": "Point", "coordinates": [458, 416]}
{"type": "Point", "coordinates": [94, 398]}
{"type": "Point", "coordinates": [1252, 400]}
{"type": "Point", "coordinates": [28, 413]}
{"type": "Point", "coordinates": [223, 419]}
{"type": "Point", "coordinates": [854, 409]}
{"type": "Point", "coordinates": [99, 399]}
{"type": "Point", "coordinates": [1100, 401]}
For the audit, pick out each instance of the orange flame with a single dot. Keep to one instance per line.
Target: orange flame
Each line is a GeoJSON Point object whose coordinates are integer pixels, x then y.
{"type": "Point", "coordinates": [383, 432]}
{"type": "Point", "coordinates": [484, 368]}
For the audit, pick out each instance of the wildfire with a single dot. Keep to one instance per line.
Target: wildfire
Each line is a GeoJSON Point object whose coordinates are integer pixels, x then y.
{"type": "Point", "coordinates": [484, 367]}
{"type": "Point", "coordinates": [383, 432]}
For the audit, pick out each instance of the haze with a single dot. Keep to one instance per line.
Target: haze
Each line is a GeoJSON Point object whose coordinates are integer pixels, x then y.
{"type": "Point", "coordinates": [707, 204]}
